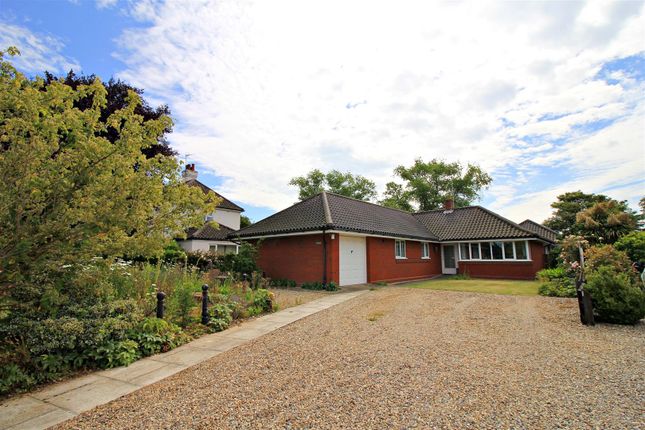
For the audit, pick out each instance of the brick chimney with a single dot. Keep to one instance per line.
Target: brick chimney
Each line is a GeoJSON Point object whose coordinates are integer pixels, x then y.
{"type": "Point", "coordinates": [189, 173]}
{"type": "Point", "coordinates": [448, 204]}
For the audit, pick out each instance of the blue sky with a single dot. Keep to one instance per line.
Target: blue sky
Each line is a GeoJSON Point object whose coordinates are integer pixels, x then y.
{"type": "Point", "coordinates": [547, 97]}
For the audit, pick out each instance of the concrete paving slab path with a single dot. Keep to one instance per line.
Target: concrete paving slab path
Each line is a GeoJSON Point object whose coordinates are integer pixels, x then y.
{"type": "Point", "coordinates": [60, 402]}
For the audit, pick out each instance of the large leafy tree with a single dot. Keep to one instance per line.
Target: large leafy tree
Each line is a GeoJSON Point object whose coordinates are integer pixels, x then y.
{"type": "Point", "coordinates": [607, 221]}
{"type": "Point", "coordinates": [70, 195]}
{"type": "Point", "coordinates": [568, 205]}
{"type": "Point", "coordinates": [428, 184]}
{"type": "Point", "coordinates": [396, 197]}
{"type": "Point", "coordinates": [117, 94]}
{"type": "Point", "coordinates": [346, 184]}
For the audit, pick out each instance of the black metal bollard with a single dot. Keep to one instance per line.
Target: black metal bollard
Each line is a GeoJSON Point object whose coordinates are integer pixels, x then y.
{"type": "Point", "coordinates": [205, 304]}
{"type": "Point", "coordinates": [160, 298]}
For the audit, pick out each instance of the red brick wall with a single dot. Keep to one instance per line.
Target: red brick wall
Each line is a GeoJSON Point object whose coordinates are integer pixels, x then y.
{"type": "Point", "coordinates": [382, 266]}
{"type": "Point", "coordinates": [507, 269]}
{"type": "Point", "coordinates": [299, 258]}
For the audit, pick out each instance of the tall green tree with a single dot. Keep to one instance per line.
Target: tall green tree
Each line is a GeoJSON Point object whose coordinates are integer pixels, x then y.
{"type": "Point", "coordinates": [70, 195]}
{"type": "Point", "coordinates": [117, 93]}
{"type": "Point", "coordinates": [428, 184]}
{"type": "Point", "coordinates": [396, 197]}
{"type": "Point", "coordinates": [346, 184]}
{"type": "Point", "coordinates": [568, 205]}
{"type": "Point", "coordinates": [606, 222]}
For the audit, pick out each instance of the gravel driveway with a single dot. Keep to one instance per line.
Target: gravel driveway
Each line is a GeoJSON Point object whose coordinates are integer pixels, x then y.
{"type": "Point", "coordinates": [408, 358]}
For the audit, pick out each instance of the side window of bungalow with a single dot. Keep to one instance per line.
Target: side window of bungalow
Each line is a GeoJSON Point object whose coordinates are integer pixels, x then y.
{"type": "Point", "coordinates": [497, 250]}
{"type": "Point", "coordinates": [399, 248]}
{"type": "Point", "coordinates": [425, 250]}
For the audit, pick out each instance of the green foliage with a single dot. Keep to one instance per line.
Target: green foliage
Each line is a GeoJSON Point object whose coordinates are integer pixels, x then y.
{"type": "Point", "coordinates": [286, 283]}
{"type": "Point", "coordinates": [13, 378]}
{"type": "Point", "coordinates": [245, 221]}
{"type": "Point", "coordinates": [182, 301]}
{"type": "Point", "coordinates": [616, 297]}
{"type": "Point", "coordinates": [606, 222]}
{"type": "Point", "coordinates": [70, 194]}
{"type": "Point", "coordinates": [115, 354]}
{"type": "Point", "coordinates": [330, 286]}
{"type": "Point", "coordinates": [263, 299]}
{"type": "Point", "coordinates": [556, 282]}
{"type": "Point", "coordinates": [396, 197]}
{"type": "Point", "coordinates": [220, 316]}
{"type": "Point", "coordinates": [607, 255]}
{"type": "Point", "coordinates": [345, 184]}
{"type": "Point", "coordinates": [242, 262]}
{"type": "Point", "coordinates": [634, 245]}
{"type": "Point", "coordinates": [597, 217]}
{"type": "Point", "coordinates": [173, 253]}
{"type": "Point", "coordinates": [154, 335]}
{"type": "Point", "coordinates": [428, 184]}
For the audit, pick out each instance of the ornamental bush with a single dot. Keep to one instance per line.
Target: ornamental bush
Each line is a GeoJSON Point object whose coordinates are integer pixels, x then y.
{"type": "Point", "coordinates": [607, 255]}
{"type": "Point", "coordinates": [556, 282]}
{"type": "Point", "coordinates": [616, 297]}
{"type": "Point", "coordinates": [634, 245]}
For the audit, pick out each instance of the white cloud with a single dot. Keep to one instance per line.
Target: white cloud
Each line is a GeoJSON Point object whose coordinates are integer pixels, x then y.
{"type": "Point", "coordinates": [265, 91]}
{"type": "Point", "coordinates": [102, 4]}
{"type": "Point", "coordinates": [39, 52]}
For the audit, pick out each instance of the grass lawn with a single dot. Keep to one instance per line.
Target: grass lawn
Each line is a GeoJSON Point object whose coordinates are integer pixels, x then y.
{"type": "Point", "coordinates": [489, 286]}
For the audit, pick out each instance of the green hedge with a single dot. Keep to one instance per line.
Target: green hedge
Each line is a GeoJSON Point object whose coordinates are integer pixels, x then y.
{"type": "Point", "coordinates": [556, 283]}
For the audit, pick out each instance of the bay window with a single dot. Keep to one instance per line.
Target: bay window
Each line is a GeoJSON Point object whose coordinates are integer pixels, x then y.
{"type": "Point", "coordinates": [495, 250]}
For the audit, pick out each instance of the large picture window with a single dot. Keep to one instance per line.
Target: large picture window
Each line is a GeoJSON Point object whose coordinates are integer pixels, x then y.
{"type": "Point", "coordinates": [399, 248]}
{"type": "Point", "coordinates": [496, 250]}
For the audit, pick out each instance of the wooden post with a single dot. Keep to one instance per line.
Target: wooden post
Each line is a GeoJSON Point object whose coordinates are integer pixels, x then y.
{"type": "Point", "coordinates": [205, 304]}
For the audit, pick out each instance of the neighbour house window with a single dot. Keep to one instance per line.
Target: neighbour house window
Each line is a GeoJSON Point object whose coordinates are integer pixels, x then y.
{"type": "Point", "coordinates": [497, 250]}
{"type": "Point", "coordinates": [212, 248]}
{"type": "Point", "coordinates": [399, 248]}
{"type": "Point", "coordinates": [425, 250]}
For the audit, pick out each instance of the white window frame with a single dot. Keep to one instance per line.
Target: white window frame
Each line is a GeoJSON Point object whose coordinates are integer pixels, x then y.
{"type": "Point", "coordinates": [527, 250]}
{"type": "Point", "coordinates": [399, 245]}
{"type": "Point", "coordinates": [425, 250]}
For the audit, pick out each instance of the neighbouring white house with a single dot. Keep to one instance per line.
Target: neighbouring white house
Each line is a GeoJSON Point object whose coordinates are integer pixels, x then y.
{"type": "Point", "coordinates": [208, 238]}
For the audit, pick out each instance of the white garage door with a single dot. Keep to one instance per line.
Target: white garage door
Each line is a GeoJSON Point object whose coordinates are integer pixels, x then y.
{"type": "Point", "coordinates": [353, 260]}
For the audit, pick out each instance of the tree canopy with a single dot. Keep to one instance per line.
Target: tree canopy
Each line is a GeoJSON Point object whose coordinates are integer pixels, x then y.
{"type": "Point", "coordinates": [70, 194]}
{"type": "Point", "coordinates": [117, 96]}
{"type": "Point", "coordinates": [346, 184]}
{"type": "Point", "coordinates": [428, 184]}
{"type": "Point", "coordinates": [606, 222]}
{"type": "Point", "coordinates": [609, 218]}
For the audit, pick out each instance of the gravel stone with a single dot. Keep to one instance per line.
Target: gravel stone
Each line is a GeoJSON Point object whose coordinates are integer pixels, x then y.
{"type": "Point", "coordinates": [408, 358]}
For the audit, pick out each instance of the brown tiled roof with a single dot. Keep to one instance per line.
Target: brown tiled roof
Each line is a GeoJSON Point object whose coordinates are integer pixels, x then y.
{"type": "Point", "coordinates": [225, 204]}
{"type": "Point", "coordinates": [335, 212]}
{"type": "Point", "coordinates": [209, 232]}
{"type": "Point", "coordinates": [470, 223]}
{"type": "Point", "coordinates": [542, 231]}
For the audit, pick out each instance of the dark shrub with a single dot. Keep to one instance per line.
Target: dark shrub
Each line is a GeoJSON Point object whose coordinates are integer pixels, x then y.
{"type": "Point", "coordinates": [616, 297]}
{"type": "Point", "coordinates": [331, 286]}
{"type": "Point", "coordinates": [634, 245]}
{"type": "Point", "coordinates": [286, 283]}
{"type": "Point", "coordinates": [242, 262]}
{"type": "Point", "coordinates": [556, 283]}
{"type": "Point", "coordinates": [263, 299]}
{"type": "Point", "coordinates": [607, 255]}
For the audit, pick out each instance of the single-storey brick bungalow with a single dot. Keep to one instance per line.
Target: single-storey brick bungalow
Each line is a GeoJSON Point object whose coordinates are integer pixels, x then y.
{"type": "Point", "coordinates": [329, 237]}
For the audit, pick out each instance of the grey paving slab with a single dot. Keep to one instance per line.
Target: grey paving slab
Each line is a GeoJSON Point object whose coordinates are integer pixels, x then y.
{"type": "Point", "coordinates": [187, 356]}
{"type": "Point", "coordinates": [62, 401]}
{"type": "Point", "coordinates": [22, 409]}
{"type": "Point", "coordinates": [44, 421]}
{"type": "Point", "coordinates": [159, 374]}
{"type": "Point", "coordinates": [218, 343]}
{"type": "Point", "coordinates": [63, 387]}
{"type": "Point", "coordinates": [133, 371]}
{"type": "Point", "coordinates": [91, 395]}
